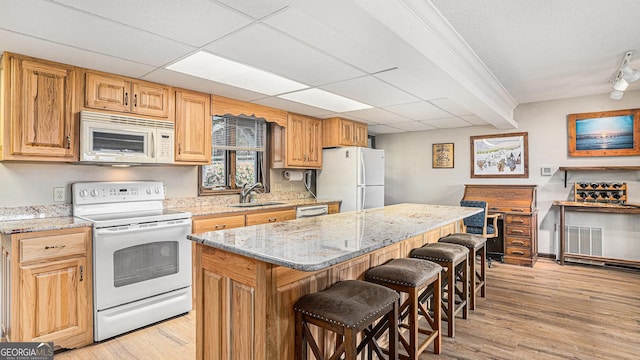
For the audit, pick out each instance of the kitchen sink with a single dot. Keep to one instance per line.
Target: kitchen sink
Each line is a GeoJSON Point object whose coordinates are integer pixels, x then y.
{"type": "Point", "coordinates": [256, 204]}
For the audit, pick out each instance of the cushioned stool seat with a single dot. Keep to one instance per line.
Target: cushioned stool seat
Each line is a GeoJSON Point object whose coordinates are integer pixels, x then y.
{"type": "Point", "coordinates": [454, 260]}
{"type": "Point", "coordinates": [477, 246]}
{"type": "Point", "coordinates": [415, 278]}
{"type": "Point", "coordinates": [347, 308]}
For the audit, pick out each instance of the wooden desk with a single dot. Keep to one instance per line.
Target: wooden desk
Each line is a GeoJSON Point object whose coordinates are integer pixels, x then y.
{"type": "Point", "coordinates": [599, 208]}
{"type": "Point", "coordinates": [516, 205]}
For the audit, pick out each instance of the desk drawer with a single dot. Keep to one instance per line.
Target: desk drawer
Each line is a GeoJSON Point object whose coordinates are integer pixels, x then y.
{"type": "Point", "coordinates": [518, 220]}
{"type": "Point", "coordinates": [517, 252]}
{"type": "Point", "coordinates": [518, 230]}
{"type": "Point", "coordinates": [516, 242]}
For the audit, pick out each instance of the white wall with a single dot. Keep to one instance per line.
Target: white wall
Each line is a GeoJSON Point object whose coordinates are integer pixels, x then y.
{"type": "Point", "coordinates": [410, 178]}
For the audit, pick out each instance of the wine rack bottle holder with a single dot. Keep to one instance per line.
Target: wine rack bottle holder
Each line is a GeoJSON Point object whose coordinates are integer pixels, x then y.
{"type": "Point", "coordinates": [605, 192]}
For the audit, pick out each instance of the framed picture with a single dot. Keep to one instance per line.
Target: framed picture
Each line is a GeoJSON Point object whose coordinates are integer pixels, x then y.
{"type": "Point", "coordinates": [500, 156]}
{"type": "Point", "coordinates": [442, 156]}
{"type": "Point", "coordinates": [605, 133]}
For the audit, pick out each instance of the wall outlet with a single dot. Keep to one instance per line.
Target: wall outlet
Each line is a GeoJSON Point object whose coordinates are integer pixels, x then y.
{"type": "Point", "coordinates": [278, 187]}
{"type": "Point", "coordinates": [59, 194]}
{"type": "Point", "coordinates": [292, 187]}
{"type": "Point", "coordinates": [165, 191]}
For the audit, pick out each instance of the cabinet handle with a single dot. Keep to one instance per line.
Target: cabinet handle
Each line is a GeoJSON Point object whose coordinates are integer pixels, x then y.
{"type": "Point", "coordinates": [517, 210]}
{"type": "Point", "coordinates": [517, 232]}
{"type": "Point", "coordinates": [517, 243]}
{"type": "Point", "coordinates": [179, 148]}
{"type": "Point", "coordinates": [518, 221]}
{"type": "Point", "coordinates": [518, 252]}
{"type": "Point", "coordinates": [68, 141]}
{"type": "Point", "coordinates": [126, 98]}
{"type": "Point", "coordinates": [81, 272]}
{"type": "Point", "coordinates": [54, 247]}
{"type": "Point", "coordinates": [221, 226]}
{"type": "Point", "coordinates": [135, 100]}
{"type": "Point", "coordinates": [273, 219]}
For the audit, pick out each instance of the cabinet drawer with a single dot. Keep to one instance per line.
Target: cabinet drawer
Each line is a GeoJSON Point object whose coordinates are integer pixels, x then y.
{"type": "Point", "coordinates": [518, 220]}
{"type": "Point", "coordinates": [517, 242]}
{"type": "Point", "coordinates": [518, 230]}
{"type": "Point", "coordinates": [517, 252]}
{"type": "Point", "coordinates": [49, 247]}
{"type": "Point", "coordinates": [270, 217]}
{"type": "Point", "coordinates": [218, 223]}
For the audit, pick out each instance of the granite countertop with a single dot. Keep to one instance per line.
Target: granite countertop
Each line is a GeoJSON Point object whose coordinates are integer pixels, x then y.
{"type": "Point", "coordinates": [203, 210]}
{"type": "Point", "coordinates": [49, 223]}
{"type": "Point", "coordinates": [316, 243]}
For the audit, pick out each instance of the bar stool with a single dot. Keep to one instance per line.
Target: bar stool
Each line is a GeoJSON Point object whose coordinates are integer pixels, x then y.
{"type": "Point", "coordinates": [347, 308]}
{"type": "Point", "coordinates": [476, 245]}
{"type": "Point", "coordinates": [416, 278]}
{"type": "Point", "coordinates": [453, 259]}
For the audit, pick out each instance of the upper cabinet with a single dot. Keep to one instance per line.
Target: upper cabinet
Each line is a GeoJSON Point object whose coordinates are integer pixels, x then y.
{"type": "Point", "coordinates": [342, 132]}
{"type": "Point", "coordinates": [193, 128]}
{"type": "Point", "coordinates": [38, 110]}
{"type": "Point", "coordinates": [299, 145]}
{"type": "Point", "coordinates": [122, 94]}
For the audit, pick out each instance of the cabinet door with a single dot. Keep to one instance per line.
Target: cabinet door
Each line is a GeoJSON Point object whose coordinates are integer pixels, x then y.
{"type": "Point", "coordinates": [296, 145]}
{"type": "Point", "coordinates": [193, 128]}
{"type": "Point", "coordinates": [347, 135]}
{"type": "Point", "coordinates": [107, 92]}
{"type": "Point", "coordinates": [152, 99]}
{"type": "Point", "coordinates": [313, 143]}
{"type": "Point", "coordinates": [42, 103]}
{"type": "Point", "coordinates": [55, 303]}
{"type": "Point", "coordinates": [360, 132]}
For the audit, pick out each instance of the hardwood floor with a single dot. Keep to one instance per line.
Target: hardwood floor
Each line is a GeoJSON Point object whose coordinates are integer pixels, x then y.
{"type": "Point", "coordinates": [546, 312]}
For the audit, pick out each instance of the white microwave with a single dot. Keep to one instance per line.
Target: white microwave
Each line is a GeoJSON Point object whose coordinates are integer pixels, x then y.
{"type": "Point", "coordinates": [106, 138]}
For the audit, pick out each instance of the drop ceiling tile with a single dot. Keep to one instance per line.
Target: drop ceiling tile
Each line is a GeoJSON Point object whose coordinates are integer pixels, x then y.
{"type": "Point", "coordinates": [377, 115]}
{"type": "Point", "coordinates": [371, 91]}
{"type": "Point", "coordinates": [450, 106]}
{"type": "Point", "coordinates": [413, 126]}
{"type": "Point", "coordinates": [424, 87]}
{"type": "Point", "coordinates": [418, 111]}
{"type": "Point", "coordinates": [313, 32]}
{"type": "Point", "coordinates": [473, 119]}
{"type": "Point", "coordinates": [383, 129]}
{"type": "Point", "coordinates": [253, 8]}
{"type": "Point", "coordinates": [27, 45]}
{"type": "Point", "coordinates": [273, 51]}
{"type": "Point", "coordinates": [89, 32]}
{"type": "Point", "coordinates": [292, 106]}
{"type": "Point", "coordinates": [447, 123]}
{"type": "Point", "coordinates": [192, 24]}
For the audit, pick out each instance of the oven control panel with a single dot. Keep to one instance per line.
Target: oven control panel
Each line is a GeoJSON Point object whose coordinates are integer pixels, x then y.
{"type": "Point", "coordinates": [114, 192]}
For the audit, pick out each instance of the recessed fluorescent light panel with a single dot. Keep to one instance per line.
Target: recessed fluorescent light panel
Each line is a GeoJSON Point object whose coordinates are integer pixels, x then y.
{"type": "Point", "coordinates": [325, 100]}
{"type": "Point", "coordinates": [212, 67]}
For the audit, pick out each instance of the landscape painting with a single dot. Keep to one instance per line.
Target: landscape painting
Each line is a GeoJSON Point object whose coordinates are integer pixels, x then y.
{"type": "Point", "coordinates": [500, 156]}
{"type": "Point", "coordinates": [612, 133]}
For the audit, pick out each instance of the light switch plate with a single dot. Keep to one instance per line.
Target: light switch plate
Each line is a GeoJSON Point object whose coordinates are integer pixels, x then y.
{"type": "Point", "coordinates": [546, 171]}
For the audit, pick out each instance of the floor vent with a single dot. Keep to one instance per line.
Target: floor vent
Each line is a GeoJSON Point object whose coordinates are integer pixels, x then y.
{"type": "Point", "coordinates": [583, 240]}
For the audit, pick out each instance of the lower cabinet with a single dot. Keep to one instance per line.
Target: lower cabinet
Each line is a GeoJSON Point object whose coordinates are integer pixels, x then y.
{"type": "Point", "coordinates": [49, 288]}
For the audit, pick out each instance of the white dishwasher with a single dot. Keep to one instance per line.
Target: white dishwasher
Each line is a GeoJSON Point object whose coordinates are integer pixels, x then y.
{"type": "Point", "coordinates": [311, 211]}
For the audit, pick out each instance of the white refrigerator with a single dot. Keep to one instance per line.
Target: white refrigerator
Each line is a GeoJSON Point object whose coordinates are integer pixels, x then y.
{"type": "Point", "coordinates": [354, 175]}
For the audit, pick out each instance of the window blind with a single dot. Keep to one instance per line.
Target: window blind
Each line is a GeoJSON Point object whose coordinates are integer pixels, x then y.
{"type": "Point", "coordinates": [238, 133]}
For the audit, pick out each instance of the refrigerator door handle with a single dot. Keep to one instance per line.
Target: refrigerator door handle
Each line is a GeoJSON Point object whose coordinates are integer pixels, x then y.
{"type": "Point", "coordinates": [362, 189]}
{"type": "Point", "coordinates": [362, 179]}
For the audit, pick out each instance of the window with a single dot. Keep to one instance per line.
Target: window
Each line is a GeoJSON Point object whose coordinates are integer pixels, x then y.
{"type": "Point", "coordinates": [237, 157]}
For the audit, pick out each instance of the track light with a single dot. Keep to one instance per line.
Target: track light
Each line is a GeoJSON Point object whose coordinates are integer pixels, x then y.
{"type": "Point", "coordinates": [624, 76]}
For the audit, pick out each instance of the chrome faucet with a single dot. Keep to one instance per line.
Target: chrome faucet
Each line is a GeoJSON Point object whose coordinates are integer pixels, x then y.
{"type": "Point", "coordinates": [245, 191]}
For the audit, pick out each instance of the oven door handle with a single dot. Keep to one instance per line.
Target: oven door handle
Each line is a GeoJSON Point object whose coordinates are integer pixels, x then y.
{"type": "Point", "coordinates": [117, 230]}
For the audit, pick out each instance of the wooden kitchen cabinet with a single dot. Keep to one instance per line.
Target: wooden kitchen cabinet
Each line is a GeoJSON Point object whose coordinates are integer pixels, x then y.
{"type": "Point", "coordinates": [193, 128]}
{"type": "Point", "coordinates": [125, 95]}
{"type": "Point", "coordinates": [343, 132]}
{"type": "Point", "coordinates": [299, 145]}
{"type": "Point", "coordinates": [333, 208]}
{"type": "Point", "coordinates": [265, 217]}
{"type": "Point", "coordinates": [50, 287]}
{"type": "Point", "coordinates": [38, 104]}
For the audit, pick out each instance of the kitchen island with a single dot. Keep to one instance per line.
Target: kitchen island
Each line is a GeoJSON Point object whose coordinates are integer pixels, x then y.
{"type": "Point", "coordinates": [248, 278]}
